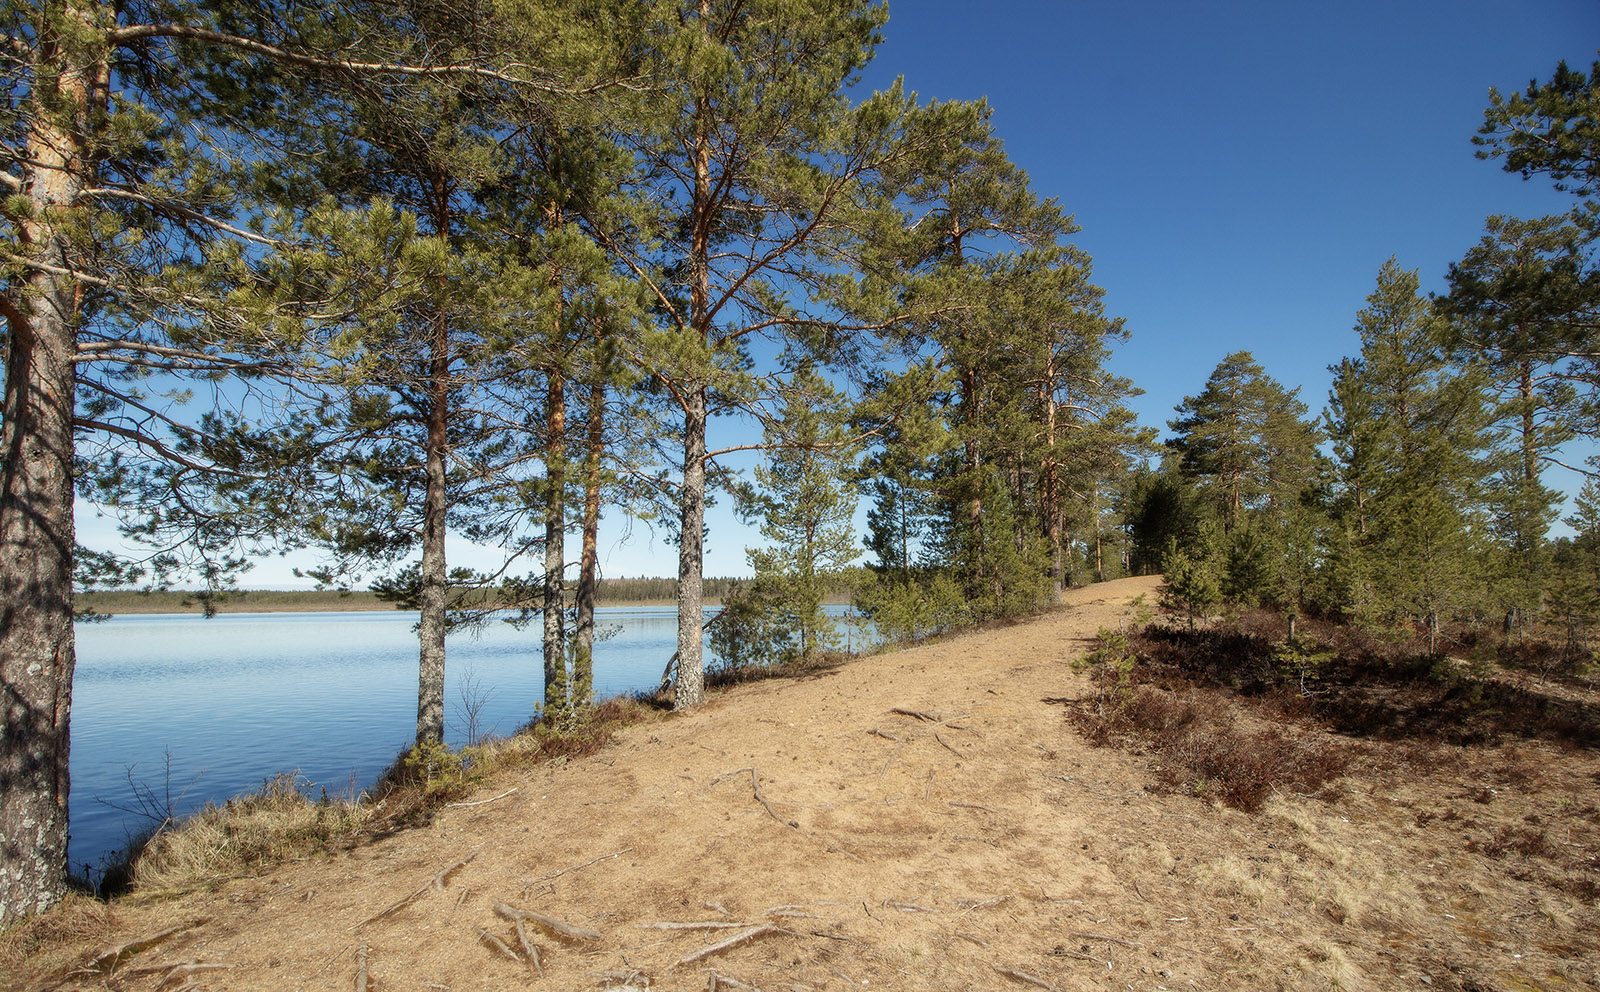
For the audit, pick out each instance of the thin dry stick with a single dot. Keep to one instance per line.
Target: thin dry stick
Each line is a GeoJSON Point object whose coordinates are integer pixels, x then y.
{"type": "Point", "coordinates": [482, 802]}
{"type": "Point", "coordinates": [531, 952]}
{"type": "Point", "coordinates": [836, 849]}
{"type": "Point", "coordinates": [909, 907]}
{"type": "Point", "coordinates": [972, 806]}
{"type": "Point", "coordinates": [697, 925]}
{"type": "Point", "coordinates": [947, 747]}
{"type": "Point", "coordinates": [888, 737]}
{"type": "Point", "coordinates": [762, 799]}
{"type": "Point", "coordinates": [968, 905]}
{"type": "Point", "coordinates": [724, 982]}
{"type": "Point", "coordinates": [548, 922]}
{"type": "Point", "coordinates": [491, 941]}
{"type": "Point", "coordinates": [1026, 978]}
{"type": "Point", "coordinates": [183, 970]}
{"type": "Point", "coordinates": [892, 756]}
{"type": "Point", "coordinates": [361, 968]}
{"type": "Point", "coordinates": [546, 878]}
{"type": "Point", "coordinates": [437, 882]}
{"type": "Point", "coordinates": [108, 959]}
{"type": "Point", "coordinates": [1100, 936]}
{"type": "Point", "coordinates": [918, 714]}
{"type": "Point", "coordinates": [723, 945]}
{"type": "Point", "coordinates": [444, 874]}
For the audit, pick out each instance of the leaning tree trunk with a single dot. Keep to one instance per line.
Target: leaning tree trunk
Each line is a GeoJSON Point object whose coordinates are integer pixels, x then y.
{"type": "Point", "coordinates": [36, 527]}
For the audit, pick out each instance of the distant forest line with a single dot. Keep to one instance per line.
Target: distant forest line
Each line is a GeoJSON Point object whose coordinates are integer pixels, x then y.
{"type": "Point", "coordinates": [612, 592]}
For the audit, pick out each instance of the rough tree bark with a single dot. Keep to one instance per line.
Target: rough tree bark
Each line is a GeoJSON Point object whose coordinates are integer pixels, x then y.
{"type": "Point", "coordinates": [36, 484]}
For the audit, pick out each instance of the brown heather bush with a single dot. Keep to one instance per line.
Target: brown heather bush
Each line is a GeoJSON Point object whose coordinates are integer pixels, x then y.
{"type": "Point", "coordinates": [1205, 752]}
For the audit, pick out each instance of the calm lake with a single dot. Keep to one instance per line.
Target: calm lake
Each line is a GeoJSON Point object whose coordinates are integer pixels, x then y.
{"type": "Point", "coordinates": [199, 710]}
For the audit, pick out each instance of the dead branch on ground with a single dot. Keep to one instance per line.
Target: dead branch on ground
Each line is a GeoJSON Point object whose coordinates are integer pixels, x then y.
{"type": "Point", "coordinates": [723, 945]}
{"type": "Point", "coordinates": [550, 923]}
{"type": "Point", "coordinates": [483, 802]}
{"type": "Point", "coordinates": [528, 950]}
{"type": "Point", "coordinates": [437, 882]}
{"type": "Point", "coordinates": [361, 968]}
{"type": "Point", "coordinates": [1025, 978]}
{"type": "Point", "coordinates": [603, 857]}
{"type": "Point", "coordinates": [108, 959]}
{"type": "Point", "coordinates": [762, 799]}
{"type": "Point", "coordinates": [495, 943]}
{"type": "Point", "coordinates": [1100, 936]}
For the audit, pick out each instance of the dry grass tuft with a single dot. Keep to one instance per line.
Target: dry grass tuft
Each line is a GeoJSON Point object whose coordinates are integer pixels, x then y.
{"type": "Point", "coordinates": [279, 823]}
{"type": "Point", "coordinates": [246, 833]}
{"type": "Point", "coordinates": [54, 939]}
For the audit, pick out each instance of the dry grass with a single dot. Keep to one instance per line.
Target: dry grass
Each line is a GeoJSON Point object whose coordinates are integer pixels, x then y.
{"type": "Point", "coordinates": [280, 823]}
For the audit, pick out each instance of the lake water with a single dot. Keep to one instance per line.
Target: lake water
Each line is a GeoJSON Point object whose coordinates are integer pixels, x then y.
{"type": "Point", "coordinates": [200, 710]}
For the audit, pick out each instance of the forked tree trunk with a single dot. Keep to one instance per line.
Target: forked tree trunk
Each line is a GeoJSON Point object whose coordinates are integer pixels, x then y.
{"type": "Point", "coordinates": [36, 527]}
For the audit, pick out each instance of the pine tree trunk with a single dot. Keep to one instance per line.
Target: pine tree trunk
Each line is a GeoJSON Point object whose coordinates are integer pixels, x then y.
{"type": "Point", "coordinates": [691, 551]}
{"type": "Point", "coordinates": [588, 586]}
{"type": "Point", "coordinates": [36, 527]}
{"type": "Point", "coordinates": [435, 591]}
{"type": "Point", "coordinates": [556, 702]}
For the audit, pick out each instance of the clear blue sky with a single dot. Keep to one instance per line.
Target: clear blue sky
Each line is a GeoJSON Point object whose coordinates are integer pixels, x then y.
{"type": "Point", "coordinates": [1240, 170]}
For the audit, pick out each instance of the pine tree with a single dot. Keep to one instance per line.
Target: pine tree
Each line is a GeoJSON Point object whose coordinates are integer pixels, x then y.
{"type": "Point", "coordinates": [806, 504]}
{"type": "Point", "coordinates": [1409, 433]}
{"type": "Point", "coordinates": [763, 177]}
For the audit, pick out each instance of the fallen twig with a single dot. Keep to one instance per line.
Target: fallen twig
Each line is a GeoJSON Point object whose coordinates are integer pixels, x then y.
{"type": "Point", "coordinates": [491, 941]}
{"type": "Point", "coordinates": [531, 952]}
{"type": "Point", "coordinates": [483, 802]}
{"type": "Point", "coordinates": [180, 970]}
{"type": "Point", "coordinates": [909, 907]}
{"type": "Point", "coordinates": [108, 959]}
{"type": "Point", "coordinates": [942, 744]}
{"type": "Point", "coordinates": [724, 982]}
{"type": "Point", "coordinates": [1100, 936]}
{"type": "Point", "coordinates": [696, 925]}
{"type": "Point", "coordinates": [603, 857]}
{"type": "Point", "coordinates": [444, 873]}
{"type": "Point", "coordinates": [972, 806]}
{"type": "Point", "coordinates": [836, 849]}
{"type": "Point", "coordinates": [723, 945]}
{"type": "Point", "coordinates": [888, 737]}
{"type": "Point", "coordinates": [437, 882]}
{"type": "Point", "coordinates": [548, 922]}
{"type": "Point", "coordinates": [361, 968]}
{"type": "Point", "coordinates": [762, 799]}
{"type": "Point", "coordinates": [1026, 978]}
{"type": "Point", "coordinates": [917, 714]}
{"type": "Point", "coordinates": [968, 905]}
{"type": "Point", "coordinates": [892, 756]}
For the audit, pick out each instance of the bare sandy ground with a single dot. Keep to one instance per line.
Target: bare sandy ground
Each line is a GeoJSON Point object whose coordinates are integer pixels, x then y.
{"type": "Point", "coordinates": [925, 819]}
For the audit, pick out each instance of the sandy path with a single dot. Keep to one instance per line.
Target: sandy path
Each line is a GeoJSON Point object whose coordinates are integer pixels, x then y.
{"type": "Point", "coordinates": [898, 853]}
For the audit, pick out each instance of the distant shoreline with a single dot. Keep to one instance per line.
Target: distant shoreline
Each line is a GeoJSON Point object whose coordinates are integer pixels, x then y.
{"type": "Point", "coordinates": [268, 601]}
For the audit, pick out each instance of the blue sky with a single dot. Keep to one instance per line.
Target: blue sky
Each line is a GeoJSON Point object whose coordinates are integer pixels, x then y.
{"type": "Point", "coordinates": [1240, 171]}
